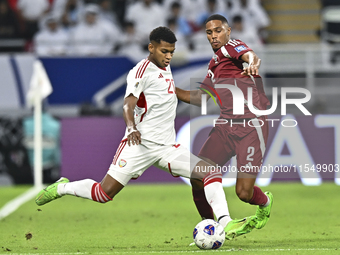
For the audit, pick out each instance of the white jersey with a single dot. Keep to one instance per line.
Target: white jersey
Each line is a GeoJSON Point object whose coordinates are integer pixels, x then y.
{"type": "Point", "coordinates": [157, 102]}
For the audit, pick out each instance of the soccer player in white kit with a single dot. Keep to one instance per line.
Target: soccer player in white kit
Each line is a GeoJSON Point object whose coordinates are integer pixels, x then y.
{"type": "Point", "coordinates": [149, 112]}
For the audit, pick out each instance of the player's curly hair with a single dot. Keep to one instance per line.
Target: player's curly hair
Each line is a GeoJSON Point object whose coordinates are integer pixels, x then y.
{"type": "Point", "coordinates": [217, 17]}
{"type": "Point", "coordinates": [162, 34]}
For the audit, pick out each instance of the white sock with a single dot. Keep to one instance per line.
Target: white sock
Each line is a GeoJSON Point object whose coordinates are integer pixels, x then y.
{"type": "Point", "coordinates": [268, 202]}
{"type": "Point", "coordinates": [81, 188]}
{"type": "Point", "coordinates": [216, 198]}
{"type": "Point", "coordinates": [225, 220]}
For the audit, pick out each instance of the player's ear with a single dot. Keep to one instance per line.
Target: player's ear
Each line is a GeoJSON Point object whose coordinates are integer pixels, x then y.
{"type": "Point", "coordinates": [228, 30]}
{"type": "Point", "coordinates": [151, 48]}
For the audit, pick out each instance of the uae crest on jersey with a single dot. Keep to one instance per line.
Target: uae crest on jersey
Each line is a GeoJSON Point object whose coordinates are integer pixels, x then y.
{"type": "Point", "coordinates": [216, 58]}
{"type": "Point", "coordinates": [122, 163]}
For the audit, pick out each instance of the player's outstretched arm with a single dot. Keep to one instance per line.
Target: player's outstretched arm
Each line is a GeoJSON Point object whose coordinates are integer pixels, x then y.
{"type": "Point", "coordinates": [134, 135]}
{"type": "Point", "coordinates": [253, 61]}
{"type": "Point", "coordinates": [189, 96]}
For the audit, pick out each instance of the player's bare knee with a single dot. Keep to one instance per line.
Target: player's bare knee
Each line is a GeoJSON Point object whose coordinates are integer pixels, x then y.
{"type": "Point", "coordinates": [198, 173]}
{"type": "Point", "coordinates": [110, 186]}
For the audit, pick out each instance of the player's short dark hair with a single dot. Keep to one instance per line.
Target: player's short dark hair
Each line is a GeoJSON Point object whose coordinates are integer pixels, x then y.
{"type": "Point", "coordinates": [217, 17]}
{"type": "Point", "coordinates": [162, 34]}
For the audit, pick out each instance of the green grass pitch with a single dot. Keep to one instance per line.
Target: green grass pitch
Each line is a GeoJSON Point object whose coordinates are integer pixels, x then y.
{"type": "Point", "coordinates": [159, 219]}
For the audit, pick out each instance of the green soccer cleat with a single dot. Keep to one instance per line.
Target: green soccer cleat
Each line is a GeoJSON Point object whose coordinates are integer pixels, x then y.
{"type": "Point", "coordinates": [263, 213]}
{"type": "Point", "coordinates": [49, 193]}
{"type": "Point", "coordinates": [243, 226]}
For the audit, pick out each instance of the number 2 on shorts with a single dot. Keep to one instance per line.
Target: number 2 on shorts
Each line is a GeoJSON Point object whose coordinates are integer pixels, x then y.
{"type": "Point", "coordinates": [250, 151]}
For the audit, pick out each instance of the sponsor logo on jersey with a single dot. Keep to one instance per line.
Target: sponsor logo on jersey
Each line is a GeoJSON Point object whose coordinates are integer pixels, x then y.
{"type": "Point", "coordinates": [240, 48]}
{"type": "Point", "coordinates": [137, 83]}
{"type": "Point", "coordinates": [122, 163]}
{"type": "Point", "coordinates": [160, 76]}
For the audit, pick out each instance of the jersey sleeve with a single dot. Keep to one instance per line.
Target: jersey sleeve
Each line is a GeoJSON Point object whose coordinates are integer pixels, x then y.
{"type": "Point", "coordinates": [236, 48]}
{"type": "Point", "coordinates": [135, 86]}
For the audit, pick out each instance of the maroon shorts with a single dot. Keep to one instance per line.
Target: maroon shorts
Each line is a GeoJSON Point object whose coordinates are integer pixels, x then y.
{"type": "Point", "coordinates": [244, 140]}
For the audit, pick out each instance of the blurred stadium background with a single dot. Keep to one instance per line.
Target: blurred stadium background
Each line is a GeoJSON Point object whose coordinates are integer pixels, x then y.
{"type": "Point", "coordinates": [87, 47]}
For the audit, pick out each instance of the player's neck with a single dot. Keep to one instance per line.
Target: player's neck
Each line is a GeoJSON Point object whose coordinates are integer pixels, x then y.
{"type": "Point", "coordinates": [154, 62]}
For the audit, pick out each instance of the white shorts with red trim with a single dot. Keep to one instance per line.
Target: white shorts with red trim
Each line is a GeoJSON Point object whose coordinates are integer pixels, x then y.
{"type": "Point", "coordinates": [131, 161]}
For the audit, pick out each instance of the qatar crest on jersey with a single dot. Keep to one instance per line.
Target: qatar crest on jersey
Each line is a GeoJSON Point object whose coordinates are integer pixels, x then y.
{"type": "Point", "coordinates": [216, 58]}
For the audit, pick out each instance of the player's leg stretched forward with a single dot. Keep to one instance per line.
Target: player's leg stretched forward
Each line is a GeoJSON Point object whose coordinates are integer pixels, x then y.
{"type": "Point", "coordinates": [109, 187]}
{"type": "Point", "coordinates": [215, 197]}
{"type": "Point", "coordinates": [100, 192]}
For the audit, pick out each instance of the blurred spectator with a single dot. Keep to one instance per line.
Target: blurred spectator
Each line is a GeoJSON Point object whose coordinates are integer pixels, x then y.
{"type": "Point", "coordinates": [106, 12]}
{"type": "Point", "coordinates": [211, 8]}
{"type": "Point", "coordinates": [92, 36]}
{"type": "Point", "coordinates": [119, 7]}
{"type": "Point", "coordinates": [130, 42]}
{"type": "Point", "coordinates": [199, 42]}
{"type": "Point", "coordinates": [68, 11]}
{"type": "Point", "coordinates": [106, 15]}
{"type": "Point", "coordinates": [9, 27]}
{"type": "Point", "coordinates": [191, 8]}
{"type": "Point", "coordinates": [51, 40]}
{"type": "Point", "coordinates": [244, 33]}
{"type": "Point", "coordinates": [182, 25]}
{"type": "Point", "coordinates": [146, 15]}
{"type": "Point", "coordinates": [30, 12]}
{"type": "Point", "coordinates": [181, 44]}
{"type": "Point", "coordinates": [253, 15]}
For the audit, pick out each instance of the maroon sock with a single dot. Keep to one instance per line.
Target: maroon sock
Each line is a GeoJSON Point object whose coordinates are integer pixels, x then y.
{"type": "Point", "coordinates": [259, 198]}
{"type": "Point", "coordinates": [203, 208]}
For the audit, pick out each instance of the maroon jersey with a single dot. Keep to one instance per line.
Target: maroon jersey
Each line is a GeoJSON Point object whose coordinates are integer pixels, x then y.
{"type": "Point", "coordinates": [226, 67]}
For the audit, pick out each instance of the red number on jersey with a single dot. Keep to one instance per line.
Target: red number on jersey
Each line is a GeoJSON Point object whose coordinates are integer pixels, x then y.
{"type": "Point", "coordinates": [171, 89]}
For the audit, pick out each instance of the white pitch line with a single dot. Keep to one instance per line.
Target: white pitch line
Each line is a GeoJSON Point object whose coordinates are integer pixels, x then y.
{"type": "Point", "coordinates": [14, 204]}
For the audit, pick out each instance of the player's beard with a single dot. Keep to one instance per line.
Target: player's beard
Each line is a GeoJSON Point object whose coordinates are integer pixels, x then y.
{"type": "Point", "coordinates": [215, 50]}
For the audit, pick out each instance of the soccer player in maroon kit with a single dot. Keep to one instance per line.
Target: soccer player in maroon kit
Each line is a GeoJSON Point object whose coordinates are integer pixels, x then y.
{"type": "Point", "coordinates": [242, 135]}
